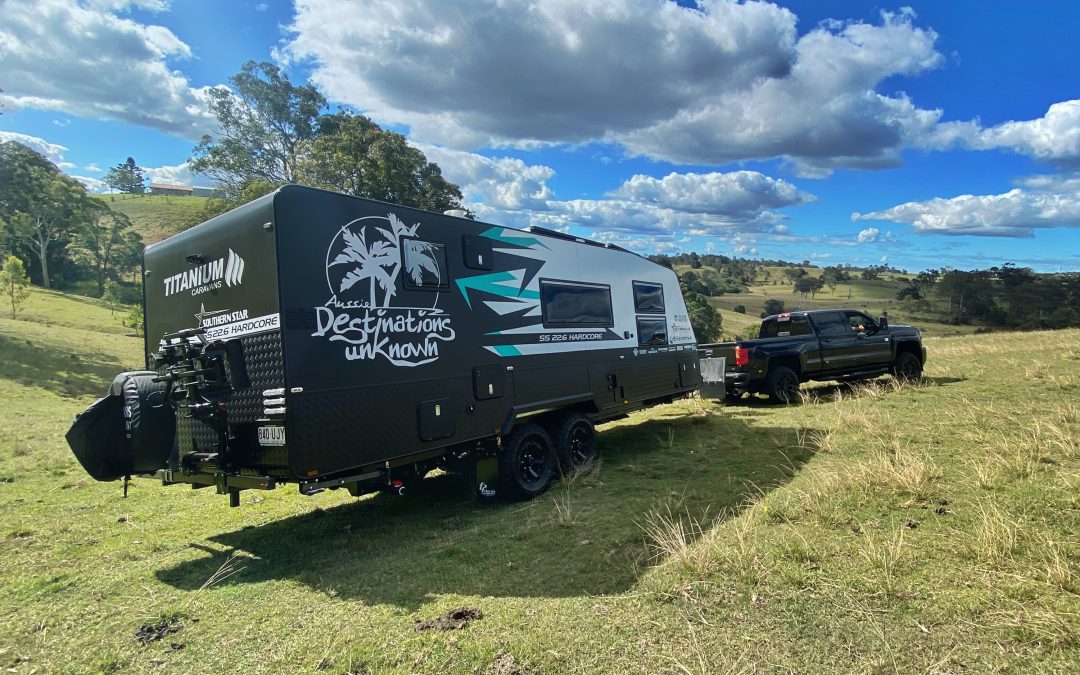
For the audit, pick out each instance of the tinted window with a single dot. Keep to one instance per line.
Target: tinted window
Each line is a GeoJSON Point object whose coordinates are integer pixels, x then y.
{"type": "Point", "coordinates": [796, 325]}
{"type": "Point", "coordinates": [648, 298]}
{"type": "Point", "coordinates": [572, 304]}
{"type": "Point", "coordinates": [651, 331]}
{"type": "Point", "coordinates": [425, 264]}
{"type": "Point", "coordinates": [832, 323]}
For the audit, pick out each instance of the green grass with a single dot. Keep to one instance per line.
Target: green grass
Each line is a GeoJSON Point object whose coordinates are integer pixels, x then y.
{"type": "Point", "coordinates": [156, 217]}
{"type": "Point", "coordinates": [870, 529]}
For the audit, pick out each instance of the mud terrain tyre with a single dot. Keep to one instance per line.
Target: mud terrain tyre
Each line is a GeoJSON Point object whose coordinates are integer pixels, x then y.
{"type": "Point", "coordinates": [575, 442]}
{"type": "Point", "coordinates": [527, 462]}
{"type": "Point", "coordinates": [783, 385]}
{"type": "Point", "coordinates": [907, 368]}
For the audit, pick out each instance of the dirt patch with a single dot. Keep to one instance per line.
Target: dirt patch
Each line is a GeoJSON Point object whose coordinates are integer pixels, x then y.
{"type": "Point", "coordinates": [504, 663]}
{"type": "Point", "coordinates": [152, 632]}
{"type": "Point", "coordinates": [455, 619]}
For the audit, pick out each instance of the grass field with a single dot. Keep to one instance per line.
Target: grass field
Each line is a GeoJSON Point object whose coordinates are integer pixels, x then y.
{"type": "Point", "coordinates": [156, 217]}
{"type": "Point", "coordinates": [929, 528]}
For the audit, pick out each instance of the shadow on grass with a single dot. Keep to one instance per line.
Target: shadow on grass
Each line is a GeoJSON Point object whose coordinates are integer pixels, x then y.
{"type": "Point", "coordinates": [63, 372]}
{"type": "Point", "coordinates": [581, 539]}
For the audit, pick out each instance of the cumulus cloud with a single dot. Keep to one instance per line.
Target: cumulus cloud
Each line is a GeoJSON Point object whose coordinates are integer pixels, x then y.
{"type": "Point", "coordinates": [720, 82]}
{"type": "Point", "coordinates": [86, 60]}
{"type": "Point", "coordinates": [51, 151]}
{"type": "Point", "coordinates": [1054, 138]}
{"type": "Point", "coordinates": [92, 184]}
{"type": "Point", "coordinates": [1039, 202]}
{"type": "Point", "coordinates": [179, 174]}
{"type": "Point", "coordinates": [868, 236]}
{"type": "Point", "coordinates": [738, 193]}
{"type": "Point", "coordinates": [504, 182]}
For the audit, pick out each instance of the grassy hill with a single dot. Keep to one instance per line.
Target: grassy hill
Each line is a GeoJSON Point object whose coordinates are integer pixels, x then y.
{"type": "Point", "coordinates": [870, 529]}
{"type": "Point", "coordinates": [156, 217]}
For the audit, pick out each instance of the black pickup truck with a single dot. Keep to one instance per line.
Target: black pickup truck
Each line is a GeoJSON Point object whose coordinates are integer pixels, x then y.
{"type": "Point", "coordinates": [826, 344]}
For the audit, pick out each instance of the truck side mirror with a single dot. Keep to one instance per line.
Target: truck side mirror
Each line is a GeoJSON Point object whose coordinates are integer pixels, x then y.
{"type": "Point", "coordinates": [883, 321]}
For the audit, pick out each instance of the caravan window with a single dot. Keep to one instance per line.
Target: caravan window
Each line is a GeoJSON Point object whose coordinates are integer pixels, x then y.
{"type": "Point", "coordinates": [648, 298]}
{"type": "Point", "coordinates": [652, 331]}
{"type": "Point", "coordinates": [569, 304]}
{"type": "Point", "coordinates": [425, 264]}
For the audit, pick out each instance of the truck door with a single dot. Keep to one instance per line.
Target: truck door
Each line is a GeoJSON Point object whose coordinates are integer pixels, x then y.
{"type": "Point", "coordinates": [875, 347]}
{"type": "Point", "coordinates": [839, 346]}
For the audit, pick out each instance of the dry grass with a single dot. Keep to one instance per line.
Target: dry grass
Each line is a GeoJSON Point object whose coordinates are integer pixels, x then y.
{"type": "Point", "coordinates": [996, 536]}
{"type": "Point", "coordinates": [884, 557]}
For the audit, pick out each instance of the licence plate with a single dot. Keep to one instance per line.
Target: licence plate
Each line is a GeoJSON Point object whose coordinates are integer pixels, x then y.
{"type": "Point", "coordinates": [271, 435]}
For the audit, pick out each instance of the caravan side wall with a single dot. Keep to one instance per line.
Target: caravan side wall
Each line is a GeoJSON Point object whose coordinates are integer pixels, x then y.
{"type": "Point", "coordinates": [407, 331]}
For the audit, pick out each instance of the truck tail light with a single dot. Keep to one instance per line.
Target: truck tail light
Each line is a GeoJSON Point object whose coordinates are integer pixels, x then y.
{"type": "Point", "coordinates": [742, 356]}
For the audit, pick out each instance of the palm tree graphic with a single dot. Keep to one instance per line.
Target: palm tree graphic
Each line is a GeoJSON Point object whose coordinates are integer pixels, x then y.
{"type": "Point", "coordinates": [380, 261]}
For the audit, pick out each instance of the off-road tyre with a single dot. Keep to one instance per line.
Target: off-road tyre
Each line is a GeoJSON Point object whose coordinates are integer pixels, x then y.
{"type": "Point", "coordinates": [783, 385]}
{"type": "Point", "coordinates": [908, 367]}
{"type": "Point", "coordinates": [527, 463]}
{"type": "Point", "coordinates": [575, 442]}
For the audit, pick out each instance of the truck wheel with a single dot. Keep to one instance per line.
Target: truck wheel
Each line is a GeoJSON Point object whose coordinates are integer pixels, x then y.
{"type": "Point", "coordinates": [783, 385]}
{"type": "Point", "coordinates": [527, 462]}
{"type": "Point", "coordinates": [575, 442]}
{"type": "Point", "coordinates": [907, 367]}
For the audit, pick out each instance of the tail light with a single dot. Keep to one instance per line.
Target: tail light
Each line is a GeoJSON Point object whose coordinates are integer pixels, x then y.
{"type": "Point", "coordinates": [742, 356]}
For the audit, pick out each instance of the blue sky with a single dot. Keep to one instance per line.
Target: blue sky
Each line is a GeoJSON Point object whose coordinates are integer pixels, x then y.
{"type": "Point", "coordinates": [923, 133]}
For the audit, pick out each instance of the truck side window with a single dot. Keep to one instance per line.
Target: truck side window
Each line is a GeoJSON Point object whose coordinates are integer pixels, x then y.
{"type": "Point", "coordinates": [648, 298]}
{"type": "Point", "coordinates": [425, 264]}
{"type": "Point", "coordinates": [572, 304]}
{"type": "Point", "coordinates": [834, 324]}
{"type": "Point", "coordinates": [652, 331]}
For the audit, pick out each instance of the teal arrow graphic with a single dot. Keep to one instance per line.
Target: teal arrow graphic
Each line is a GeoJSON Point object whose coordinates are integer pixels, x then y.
{"type": "Point", "coordinates": [502, 284]}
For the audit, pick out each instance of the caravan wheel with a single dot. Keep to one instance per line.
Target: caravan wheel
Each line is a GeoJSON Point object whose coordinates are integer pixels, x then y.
{"type": "Point", "coordinates": [527, 462]}
{"type": "Point", "coordinates": [575, 442]}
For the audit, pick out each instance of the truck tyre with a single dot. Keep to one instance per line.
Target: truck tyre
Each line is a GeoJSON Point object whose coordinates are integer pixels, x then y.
{"type": "Point", "coordinates": [783, 385]}
{"type": "Point", "coordinates": [575, 442]}
{"type": "Point", "coordinates": [907, 367]}
{"type": "Point", "coordinates": [527, 462]}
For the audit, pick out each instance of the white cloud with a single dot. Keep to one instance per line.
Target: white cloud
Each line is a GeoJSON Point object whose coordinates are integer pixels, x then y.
{"type": "Point", "coordinates": [721, 82]}
{"type": "Point", "coordinates": [738, 193]}
{"type": "Point", "coordinates": [92, 167]}
{"type": "Point", "coordinates": [175, 175]}
{"type": "Point", "coordinates": [52, 151]}
{"type": "Point", "coordinates": [85, 60]}
{"type": "Point", "coordinates": [746, 249]}
{"type": "Point", "coordinates": [1054, 138]}
{"type": "Point", "coordinates": [503, 182]}
{"type": "Point", "coordinates": [92, 184]}
{"type": "Point", "coordinates": [1040, 202]}
{"type": "Point", "coordinates": [868, 236]}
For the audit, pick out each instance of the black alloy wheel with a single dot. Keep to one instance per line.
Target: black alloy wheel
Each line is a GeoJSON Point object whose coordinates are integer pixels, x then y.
{"type": "Point", "coordinates": [783, 385]}
{"type": "Point", "coordinates": [575, 440]}
{"type": "Point", "coordinates": [527, 462]}
{"type": "Point", "coordinates": [907, 368]}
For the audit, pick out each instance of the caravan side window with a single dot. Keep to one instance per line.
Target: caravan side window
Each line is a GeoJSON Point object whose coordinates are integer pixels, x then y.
{"type": "Point", "coordinates": [648, 298]}
{"type": "Point", "coordinates": [567, 304]}
{"type": "Point", "coordinates": [425, 264]}
{"type": "Point", "coordinates": [652, 331]}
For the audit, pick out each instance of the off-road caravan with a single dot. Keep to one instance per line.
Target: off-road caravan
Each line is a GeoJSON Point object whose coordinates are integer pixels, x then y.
{"type": "Point", "coordinates": [338, 342]}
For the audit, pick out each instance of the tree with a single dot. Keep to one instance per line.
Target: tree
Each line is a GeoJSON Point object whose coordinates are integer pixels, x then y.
{"type": "Point", "coordinates": [126, 177]}
{"type": "Point", "coordinates": [740, 309]}
{"type": "Point", "coordinates": [704, 318]}
{"type": "Point", "coordinates": [263, 121]}
{"type": "Point", "coordinates": [808, 286]}
{"type": "Point", "coordinates": [41, 205]}
{"type": "Point", "coordinates": [107, 241]}
{"type": "Point", "coordinates": [15, 282]}
{"type": "Point", "coordinates": [773, 306]}
{"type": "Point", "coordinates": [354, 155]}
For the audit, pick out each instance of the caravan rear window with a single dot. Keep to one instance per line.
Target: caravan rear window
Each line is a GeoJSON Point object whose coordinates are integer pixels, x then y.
{"type": "Point", "coordinates": [648, 298]}
{"type": "Point", "coordinates": [571, 304]}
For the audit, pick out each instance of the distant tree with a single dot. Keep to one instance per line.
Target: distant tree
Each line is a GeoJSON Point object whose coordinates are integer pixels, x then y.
{"type": "Point", "coordinates": [773, 306]}
{"type": "Point", "coordinates": [808, 286]}
{"type": "Point", "coordinates": [741, 309]}
{"type": "Point", "coordinates": [107, 242]}
{"type": "Point", "coordinates": [870, 273]}
{"type": "Point", "coordinates": [134, 318]}
{"type": "Point", "coordinates": [15, 282]}
{"type": "Point", "coordinates": [695, 261]}
{"type": "Point", "coordinates": [704, 318]}
{"type": "Point", "coordinates": [908, 292]}
{"type": "Point", "coordinates": [126, 177]}
{"type": "Point", "coordinates": [40, 205]}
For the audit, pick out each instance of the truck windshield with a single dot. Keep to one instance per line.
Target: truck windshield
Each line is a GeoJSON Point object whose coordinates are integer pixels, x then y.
{"type": "Point", "coordinates": [795, 325]}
